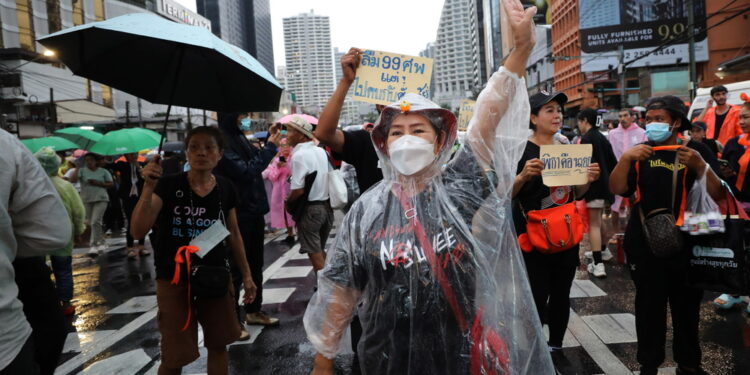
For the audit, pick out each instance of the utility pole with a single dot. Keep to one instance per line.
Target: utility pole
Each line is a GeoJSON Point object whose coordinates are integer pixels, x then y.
{"type": "Point", "coordinates": [189, 123]}
{"type": "Point", "coordinates": [204, 118]}
{"type": "Point", "coordinates": [691, 47]}
{"type": "Point", "coordinates": [140, 116]}
{"type": "Point", "coordinates": [52, 108]}
{"type": "Point", "coordinates": [127, 113]}
{"type": "Point", "coordinates": [621, 71]}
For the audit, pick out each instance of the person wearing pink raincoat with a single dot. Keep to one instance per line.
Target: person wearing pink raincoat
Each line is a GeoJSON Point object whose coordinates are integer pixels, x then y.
{"type": "Point", "coordinates": [278, 173]}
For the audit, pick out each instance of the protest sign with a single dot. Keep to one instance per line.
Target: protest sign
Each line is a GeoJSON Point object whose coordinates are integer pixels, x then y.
{"type": "Point", "coordinates": [466, 111]}
{"type": "Point", "coordinates": [384, 77]}
{"type": "Point", "coordinates": [565, 164]}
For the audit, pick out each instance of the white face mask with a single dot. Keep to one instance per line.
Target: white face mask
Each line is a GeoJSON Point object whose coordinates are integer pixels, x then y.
{"type": "Point", "coordinates": [410, 154]}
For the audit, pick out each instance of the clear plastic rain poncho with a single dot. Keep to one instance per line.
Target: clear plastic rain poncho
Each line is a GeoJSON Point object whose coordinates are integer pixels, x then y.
{"type": "Point", "coordinates": [430, 262]}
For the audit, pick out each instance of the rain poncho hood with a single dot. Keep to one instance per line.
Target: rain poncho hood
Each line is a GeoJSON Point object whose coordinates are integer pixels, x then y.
{"type": "Point", "coordinates": [430, 262]}
{"type": "Point", "coordinates": [49, 160]}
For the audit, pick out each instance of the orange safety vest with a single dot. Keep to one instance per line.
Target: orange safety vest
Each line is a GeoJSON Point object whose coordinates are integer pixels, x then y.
{"type": "Point", "coordinates": [729, 129]}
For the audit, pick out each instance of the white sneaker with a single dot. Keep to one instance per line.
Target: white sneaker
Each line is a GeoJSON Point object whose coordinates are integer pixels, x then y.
{"type": "Point", "coordinates": [606, 255]}
{"type": "Point", "coordinates": [597, 270]}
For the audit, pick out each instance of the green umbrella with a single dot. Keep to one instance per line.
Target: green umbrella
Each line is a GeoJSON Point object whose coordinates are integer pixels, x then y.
{"type": "Point", "coordinates": [148, 132]}
{"type": "Point", "coordinates": [57, 144]}
{"type": "Point", "coordinates": [84, 138]}
{"type": "Point", "coordinates": [124, 141]}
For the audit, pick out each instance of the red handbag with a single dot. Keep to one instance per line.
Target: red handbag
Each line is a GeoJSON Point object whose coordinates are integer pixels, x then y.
{"type": "Point", "coordinates": [552, 230]}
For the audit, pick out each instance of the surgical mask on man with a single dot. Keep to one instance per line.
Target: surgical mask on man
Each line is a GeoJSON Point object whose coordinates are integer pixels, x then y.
{"type": "Point", "coordinates": [245, 124]}
{"type": "Point", "coordinates": [410, 154]}
{"type": "Point", "coordinates": [658, 131]}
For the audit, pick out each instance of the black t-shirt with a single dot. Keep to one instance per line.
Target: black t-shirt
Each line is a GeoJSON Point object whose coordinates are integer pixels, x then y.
{"type": "Point", "coordinates": [656, 192]}
{"type": "Point", "coordinates": [719, 122]}
{"type": "Point", "coordinates": [732, 153]}
{"type": "Point", "coordinates": [601, 153]}
{"type": "Point", "coordinates": [360, 152]}
{"type": "Point", "coordinates": [711, 144]}
{"type": "Point", "coordinates": [180, 220]}
{"type": "Point", "coordinates": [125, 171]}
{"type": "Point", "coordinates": [379, 254]}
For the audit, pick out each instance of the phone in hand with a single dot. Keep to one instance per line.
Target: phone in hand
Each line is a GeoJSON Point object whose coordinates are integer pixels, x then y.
{"type": "Point", "coordinates": [282, 159]}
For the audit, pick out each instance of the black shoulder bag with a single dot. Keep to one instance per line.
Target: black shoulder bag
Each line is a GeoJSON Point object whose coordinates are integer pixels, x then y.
{"type": "Point", "coordinates": [207, 281]}
{"type": "Point", "coordinates": [662, 234]}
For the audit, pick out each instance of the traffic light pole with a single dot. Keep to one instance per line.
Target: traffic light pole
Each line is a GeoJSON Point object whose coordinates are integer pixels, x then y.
{"type": "Point", "coordinates": [691, 47]}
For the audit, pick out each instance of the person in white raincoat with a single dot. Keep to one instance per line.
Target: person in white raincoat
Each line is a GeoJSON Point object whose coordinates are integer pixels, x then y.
{"type": "Point", "coordinates": [428, 257]}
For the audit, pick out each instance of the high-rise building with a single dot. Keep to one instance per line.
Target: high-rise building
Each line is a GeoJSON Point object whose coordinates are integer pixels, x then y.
{"type": "Point", "coordinates": [429, 52]}
{"type": "Point", "coordinates": [458, 66]}
{"type": "Point", "coordinates": [309, 59]}
{"type": "Point", "coordinates": [243, 23]}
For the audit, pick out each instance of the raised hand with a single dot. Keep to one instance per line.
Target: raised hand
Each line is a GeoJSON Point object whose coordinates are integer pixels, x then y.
{"type": "Point", "coordinates": [521, 23]}
{"type": "Point", "coordinates": [350, 63]}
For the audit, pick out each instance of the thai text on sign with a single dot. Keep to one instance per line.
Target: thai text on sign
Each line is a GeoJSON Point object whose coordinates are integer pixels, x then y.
{"type": "Point", "coordinates": [465, 113]}
{"type": "Point", "coordinates": [565, 164]}
{"type": "Point", "coordinates": [384, 77]}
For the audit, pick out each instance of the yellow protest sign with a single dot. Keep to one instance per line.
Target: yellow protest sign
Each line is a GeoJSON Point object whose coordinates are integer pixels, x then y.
{"type": "Point", "coordinates": [384, 77]}
{"type": "Point", "coordinates": [565, 164]}
{"type": "Point", "coordinates": [465, 113]}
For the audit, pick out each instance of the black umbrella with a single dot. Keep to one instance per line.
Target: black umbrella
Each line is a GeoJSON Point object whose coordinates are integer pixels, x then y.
{"type": "Point", "coordinates": [167, 63]}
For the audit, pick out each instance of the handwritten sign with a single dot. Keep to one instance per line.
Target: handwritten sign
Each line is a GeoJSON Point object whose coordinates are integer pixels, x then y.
{"type": "Point", "coordinates": [384, 77]}
{"type": "Point", "coordinates": [565, 164]}
{"type": "Point", "coordinates": [465, 113]}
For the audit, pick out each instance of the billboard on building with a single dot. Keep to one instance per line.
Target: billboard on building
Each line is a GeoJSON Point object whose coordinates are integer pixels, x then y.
{"type": "Point", "coordinates": [639, 26]}
{"type": "Point", "coordinates": [178, 13]}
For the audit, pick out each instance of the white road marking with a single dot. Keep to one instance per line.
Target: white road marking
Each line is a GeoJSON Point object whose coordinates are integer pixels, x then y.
{"type": "Point", "coordinates": [98, 346]}
{"type": "Point", "coordinates": [585, 288]}
{"type": "Point", "coordinates": [292, 272]}
{"type": "Point", "coordinates": [275, 266]}
{"type": "Point", "coordinates": [594, 346]}
{"type": "Point", "coordinates": [569, 341]}
{"type": "Point", "coordinates": [135, 305]}
{"type": "Point", "coordinates": [613, 328]}
{"type": "Point", "coordinates": [276, 295]}
{"type": "Point", "coordinates": [125, 364]}
{"type": "Point", "coordinates": [78, 340]}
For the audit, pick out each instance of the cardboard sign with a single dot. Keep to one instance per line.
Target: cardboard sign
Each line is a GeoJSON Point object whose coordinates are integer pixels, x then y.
{"type": "Point", "coordinates": [565, 165]}
{"type": "Point", "coordinates": [384, 77]}
{"type": "Point", "coordinates": [466, 112]}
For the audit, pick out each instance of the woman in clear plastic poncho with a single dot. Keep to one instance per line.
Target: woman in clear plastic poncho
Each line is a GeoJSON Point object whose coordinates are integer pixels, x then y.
{"type": "Point", "coordinates": [428, 257]}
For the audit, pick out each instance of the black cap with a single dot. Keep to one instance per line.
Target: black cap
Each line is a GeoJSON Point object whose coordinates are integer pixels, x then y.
{"type": "Point", "coordinates": [700, 124]}
{"type": "Point", "coordinates": [543, 97]}
{"type": "Point", "coordinates": [674, 105]}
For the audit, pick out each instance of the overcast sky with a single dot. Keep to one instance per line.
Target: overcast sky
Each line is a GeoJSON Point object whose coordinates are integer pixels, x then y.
{"type": "Point", "coordinates": [403, 26]}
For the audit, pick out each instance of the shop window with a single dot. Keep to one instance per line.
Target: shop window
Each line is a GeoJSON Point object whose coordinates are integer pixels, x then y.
{"type": "Point", "coordinates": [672, 82]}
{"type": "Point", "coordinates": [25, 24]}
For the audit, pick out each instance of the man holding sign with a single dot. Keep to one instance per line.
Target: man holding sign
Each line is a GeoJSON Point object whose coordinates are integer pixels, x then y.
{"type": "Point", "coordinates": [551, 269]}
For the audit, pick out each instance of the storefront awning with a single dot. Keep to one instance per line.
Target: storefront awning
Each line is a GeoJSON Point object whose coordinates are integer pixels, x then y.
{"type": "Point", "coordinates": [82, 111]}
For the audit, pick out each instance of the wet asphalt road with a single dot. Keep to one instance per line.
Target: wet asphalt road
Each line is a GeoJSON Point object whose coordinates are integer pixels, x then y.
{"type": "Point", "coordinates": [126, 340]}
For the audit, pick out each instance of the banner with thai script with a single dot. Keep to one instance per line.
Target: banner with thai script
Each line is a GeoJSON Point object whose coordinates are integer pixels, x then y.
{"type": "Point", "coordinates": [565, 165]}
{"type": "Point", "coordinates": [465, 113]}
{"type": "Point", "coordinates": [384, 77]}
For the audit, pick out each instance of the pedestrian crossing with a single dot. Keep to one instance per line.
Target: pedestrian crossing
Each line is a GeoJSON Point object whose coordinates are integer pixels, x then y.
{"type": "Point", "coordinates": [592, 335]}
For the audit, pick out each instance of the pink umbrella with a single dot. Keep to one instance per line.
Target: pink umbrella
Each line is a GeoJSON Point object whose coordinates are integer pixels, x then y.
{"type": "Point", "coordinates": [78, 153]}
{"type": "Point", "coordinates": [288, 118]}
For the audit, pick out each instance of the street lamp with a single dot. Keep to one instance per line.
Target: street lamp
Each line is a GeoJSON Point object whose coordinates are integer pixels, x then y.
{"type": "Point", "coordinates": [47, 53]}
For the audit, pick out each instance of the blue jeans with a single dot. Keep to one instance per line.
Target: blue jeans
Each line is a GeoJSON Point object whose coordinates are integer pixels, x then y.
{"type": "Point", "coordinates": [62, 267]}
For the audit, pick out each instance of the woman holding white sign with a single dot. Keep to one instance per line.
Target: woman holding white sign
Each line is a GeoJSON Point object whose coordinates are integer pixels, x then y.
{"type": "Point", "coordinates": [427, 257]}
{"type": "Point", "coordinates": [550, 252]}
